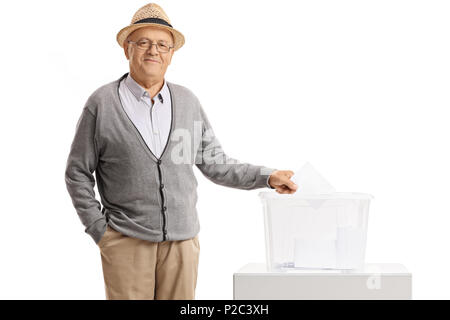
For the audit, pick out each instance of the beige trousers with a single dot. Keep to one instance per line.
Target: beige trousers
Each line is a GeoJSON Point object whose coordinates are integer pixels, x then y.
{"type": "Point", "coordinates": [140, 270]}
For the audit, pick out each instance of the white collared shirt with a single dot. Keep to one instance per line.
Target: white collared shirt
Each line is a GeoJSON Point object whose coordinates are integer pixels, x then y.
{"type": "Point", "coordinates": [151, 119]}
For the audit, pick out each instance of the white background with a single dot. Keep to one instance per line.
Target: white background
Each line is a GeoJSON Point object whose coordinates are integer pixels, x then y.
{"type": "Point", "coordinates": [358, 88]}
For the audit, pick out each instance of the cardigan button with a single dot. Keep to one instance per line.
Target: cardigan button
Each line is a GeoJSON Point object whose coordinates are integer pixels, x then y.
{"type": "Point", "coordinates": [162, 186]}
{"type": "Point", "coordinates": [159, 161]}
{"type": "Point", "coordinates": [164, 208]}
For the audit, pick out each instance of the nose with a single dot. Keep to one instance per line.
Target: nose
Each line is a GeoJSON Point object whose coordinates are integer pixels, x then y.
{"type": "Point", "coordinates": [153, 49]}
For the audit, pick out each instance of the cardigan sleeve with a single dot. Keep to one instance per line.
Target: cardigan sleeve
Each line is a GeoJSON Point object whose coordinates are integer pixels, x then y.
{"type": "Point", "coordinates": [224, 170]}
{"type": "Point", "coordinates": [81, 163]}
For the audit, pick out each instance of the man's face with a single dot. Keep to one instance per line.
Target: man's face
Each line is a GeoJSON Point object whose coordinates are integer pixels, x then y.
{"type": "Point", "coordinates": [149, 63]}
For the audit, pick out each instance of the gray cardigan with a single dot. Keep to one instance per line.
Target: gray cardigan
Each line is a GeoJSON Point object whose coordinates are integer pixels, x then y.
{"type": "Point", "coordinates": [143, 196]}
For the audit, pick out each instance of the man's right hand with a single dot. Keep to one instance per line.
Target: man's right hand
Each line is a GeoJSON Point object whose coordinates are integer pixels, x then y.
{"type": "Point", "coordinates": [280, 180]}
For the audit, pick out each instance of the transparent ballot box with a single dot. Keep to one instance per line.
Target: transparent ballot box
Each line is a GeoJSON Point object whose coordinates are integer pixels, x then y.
{"type": "Point", "coordinates": [315, 231]}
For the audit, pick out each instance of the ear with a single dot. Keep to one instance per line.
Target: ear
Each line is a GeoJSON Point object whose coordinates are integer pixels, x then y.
{"type": "Point", "coordinates": [170, 56]}
{"type": "Point", "coordinates": [125, 49]}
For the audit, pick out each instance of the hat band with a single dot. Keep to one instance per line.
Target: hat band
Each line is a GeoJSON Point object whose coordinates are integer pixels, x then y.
{"type": "Point", "coordinates": [154, 20]}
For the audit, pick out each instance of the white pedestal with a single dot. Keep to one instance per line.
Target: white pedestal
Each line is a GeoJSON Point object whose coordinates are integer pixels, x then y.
{"type": "Point", "coordinates": [386, 281]}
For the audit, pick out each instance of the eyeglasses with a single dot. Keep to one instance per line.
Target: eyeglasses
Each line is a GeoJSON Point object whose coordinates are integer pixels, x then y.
{"type": "Point", "coordinates": [145, 44]}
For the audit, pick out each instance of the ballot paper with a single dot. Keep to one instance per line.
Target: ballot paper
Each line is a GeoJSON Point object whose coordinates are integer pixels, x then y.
{"type": "Point", "coordinates": [310, 181]}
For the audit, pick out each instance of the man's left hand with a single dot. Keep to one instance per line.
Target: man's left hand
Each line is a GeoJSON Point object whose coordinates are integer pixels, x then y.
{"type": "Point", "coordinates": [280, 180]}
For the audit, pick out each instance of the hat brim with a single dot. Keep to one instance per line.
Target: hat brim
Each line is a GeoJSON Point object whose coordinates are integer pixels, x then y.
{"type": "Point", "coordinates": [177, 35]}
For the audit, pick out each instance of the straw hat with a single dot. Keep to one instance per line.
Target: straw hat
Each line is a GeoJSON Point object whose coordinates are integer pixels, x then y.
{"type": "Point", "coordinates": [151, 15]}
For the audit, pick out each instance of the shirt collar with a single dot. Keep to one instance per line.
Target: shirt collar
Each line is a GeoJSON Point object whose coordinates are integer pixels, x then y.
{"type": "Point", "coordinates": [139, 92]}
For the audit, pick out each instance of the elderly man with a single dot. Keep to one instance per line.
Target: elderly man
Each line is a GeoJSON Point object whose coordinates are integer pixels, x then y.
{"type": "Point", "coordinates": [142, 135]}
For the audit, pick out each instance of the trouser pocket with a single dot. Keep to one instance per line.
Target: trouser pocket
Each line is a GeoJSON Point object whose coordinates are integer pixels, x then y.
{"type": "Point", "coordinates": [105, 236]}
